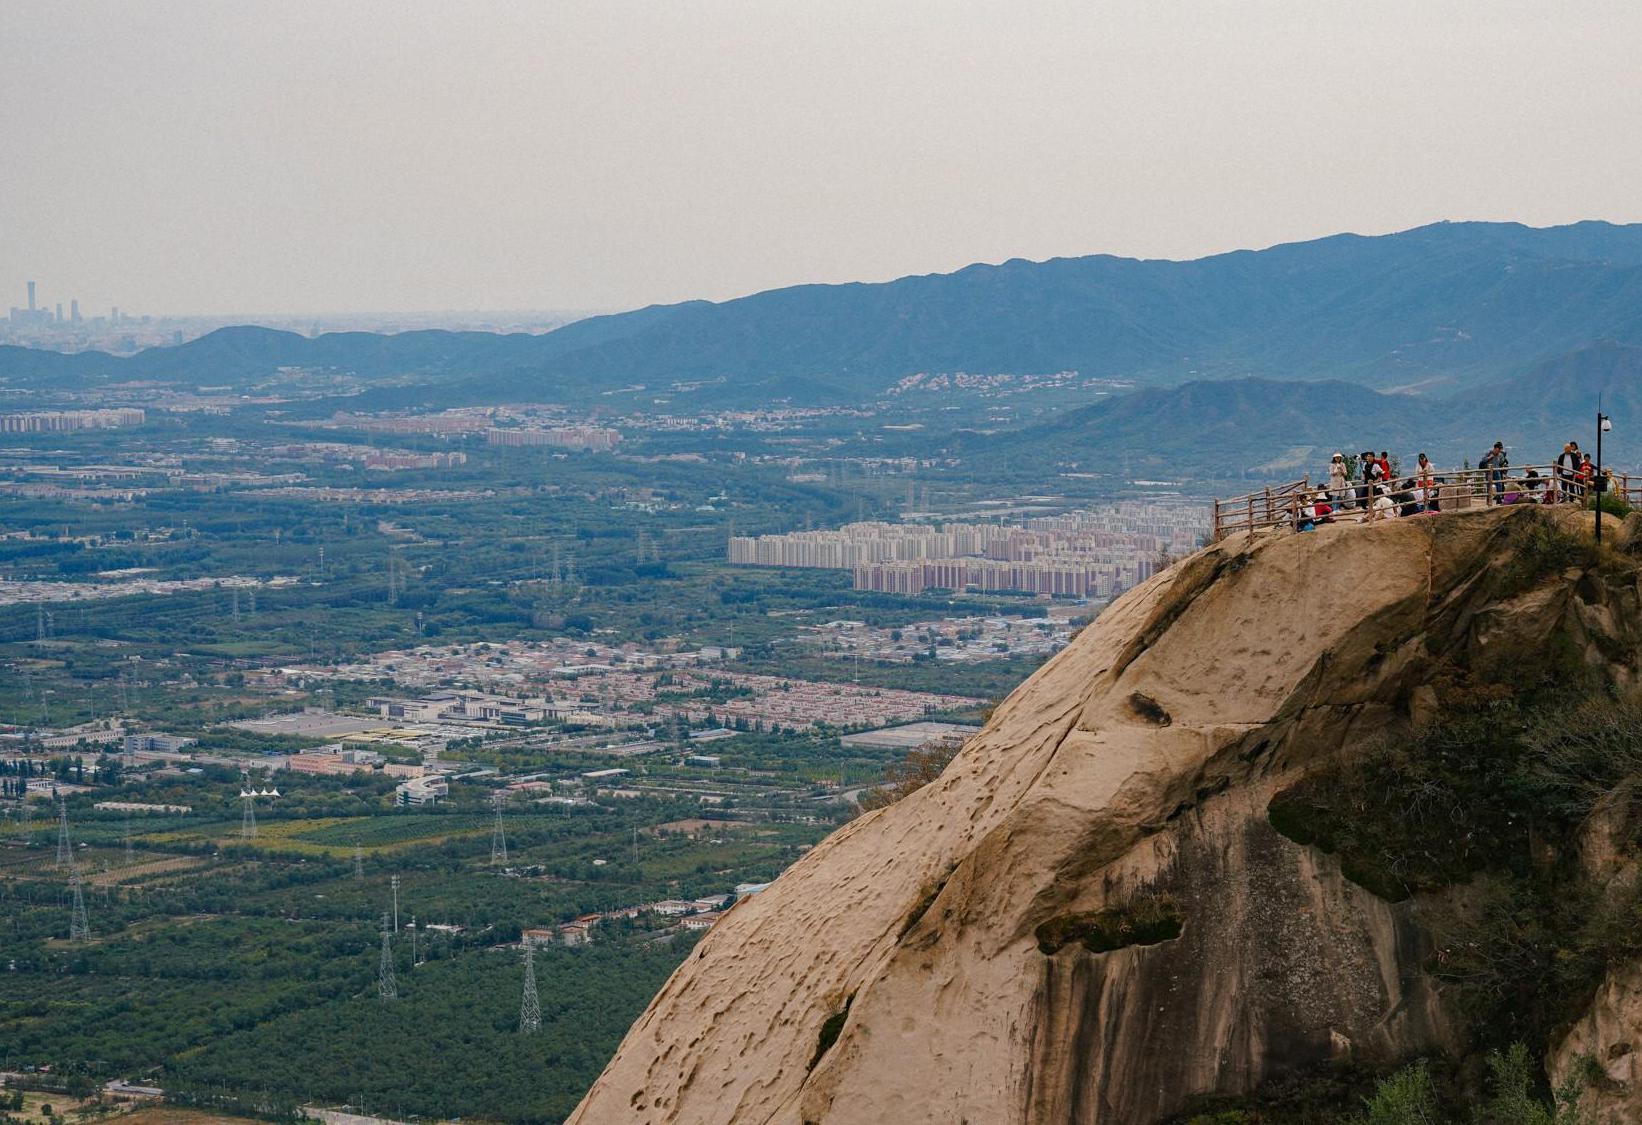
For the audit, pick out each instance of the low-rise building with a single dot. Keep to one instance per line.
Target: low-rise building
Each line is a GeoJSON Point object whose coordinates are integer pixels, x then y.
{"type": "Point", "coordinates": [429, 789]}
{"type": "Point", "coordinates": [155, 742]}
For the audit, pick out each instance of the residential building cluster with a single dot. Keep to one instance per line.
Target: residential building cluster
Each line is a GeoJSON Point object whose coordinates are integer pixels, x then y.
{"type": "Point", "coordinates": [692, 914]}
{"type": "Point", "coordinates": [1083, 554]}
{"type": "Point", "coordinates": [462, 420]}
{"type": "Point", "coordinates": [952, 639]}
{"type": "Point", "coordinates": [595, 439]}
{"type": "Point", "coordinates": [16, 592]}
{"type": "Point", "coordinates": [320, 452]}
{"type": "Point", "coordinates": [391, 460]}
{"type": "Point", "coordinates": [525, 682]}
{"type": "Point", "coordinates": [60, 421]}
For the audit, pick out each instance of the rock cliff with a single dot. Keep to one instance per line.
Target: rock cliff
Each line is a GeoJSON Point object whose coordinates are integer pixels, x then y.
{"type": "Point", "coordinates": [1089, 917]}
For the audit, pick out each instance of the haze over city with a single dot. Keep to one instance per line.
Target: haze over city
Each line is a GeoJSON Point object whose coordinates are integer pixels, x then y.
{"type": "Point", "coordinates": [182, 159]}
{"type": "Point", "coordinates": [745, 562]}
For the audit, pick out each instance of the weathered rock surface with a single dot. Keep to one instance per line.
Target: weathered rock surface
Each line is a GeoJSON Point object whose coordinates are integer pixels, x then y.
{"type": "Point", "coordinates": [1128, 779]}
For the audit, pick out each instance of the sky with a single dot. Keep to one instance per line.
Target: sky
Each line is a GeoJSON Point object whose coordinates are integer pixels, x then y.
{"type": "Point", "coordinates": [217, 158]}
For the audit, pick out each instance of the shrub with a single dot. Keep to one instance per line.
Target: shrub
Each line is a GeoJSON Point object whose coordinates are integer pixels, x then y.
{"type": "Point", "coordinates": [1407, 1097]}
{"type": "Point", "coordinates": [1612, 504]}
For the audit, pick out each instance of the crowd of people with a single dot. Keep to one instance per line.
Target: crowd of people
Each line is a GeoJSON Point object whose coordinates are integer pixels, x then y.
{"type": "Point", "coordinates": [1370, 488]}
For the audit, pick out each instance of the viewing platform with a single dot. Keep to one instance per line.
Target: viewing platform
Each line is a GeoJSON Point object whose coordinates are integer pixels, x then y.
{"type": "Point", "coordinates": [1454, 490]}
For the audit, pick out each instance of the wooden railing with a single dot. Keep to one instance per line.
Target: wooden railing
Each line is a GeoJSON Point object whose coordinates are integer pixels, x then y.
{"type": "Point", "coordinates": [1281, 506]}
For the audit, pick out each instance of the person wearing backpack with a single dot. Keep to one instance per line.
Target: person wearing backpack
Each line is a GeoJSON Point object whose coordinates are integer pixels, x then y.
{"type": "Point", "coordinates": [1495, 462]}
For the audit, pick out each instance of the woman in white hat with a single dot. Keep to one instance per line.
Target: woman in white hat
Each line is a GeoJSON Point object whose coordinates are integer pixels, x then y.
{"type": "Point", "coordinates": [1337, 477]}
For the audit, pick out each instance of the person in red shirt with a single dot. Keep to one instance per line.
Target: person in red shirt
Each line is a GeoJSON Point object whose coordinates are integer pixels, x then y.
{"type": "Point", "coordinates": [1385, 465]}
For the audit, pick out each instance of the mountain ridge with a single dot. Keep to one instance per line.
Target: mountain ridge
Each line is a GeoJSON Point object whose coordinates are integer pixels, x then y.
{"type": "Point", "coordinates": [1447, 305]}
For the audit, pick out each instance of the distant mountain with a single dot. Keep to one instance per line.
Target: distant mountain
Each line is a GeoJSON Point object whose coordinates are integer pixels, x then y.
{"type": "Point", "coordinates": [1438, 308]}
{"type": "Point", "coordinates": [1266, 427]}
{"type": "Point", "coordinates": [1232, 428]}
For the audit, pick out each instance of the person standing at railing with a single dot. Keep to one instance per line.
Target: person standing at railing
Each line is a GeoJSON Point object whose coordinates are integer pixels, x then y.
{"type": "Point", "coordinates": [1385, 467]}
{"type": "Point", "coordinates": [1371, 474]}
{"type": "Point", "coordinates": [1587, 478]}
{"type": "Point", "coordinates": [1339, 489]}
{"type": "Point", "coordinates": [1567, 470]}
{"type": "Point", "coordinates": [1425, 479]}
{"type": "Point", "coordinates": [1495, 462]}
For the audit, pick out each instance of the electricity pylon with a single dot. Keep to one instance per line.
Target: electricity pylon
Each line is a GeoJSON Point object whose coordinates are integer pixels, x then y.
{"type": "Point", "coordinates": [358, 862]}
{"type": "Point", "coordinates": [530, 1006]}
{"type": "Point", "coordinates": [65, 850]}
{"type": "Point", "coordinates": [386, 987]}
{"type": "Point", "coordinates": [79, 927]}
{"type": "Point", "coordinates": [498, 837]}
{"type": "Point", "coordinates": [248, 819]}
{"type": "Point", "coordinates": [395, 882]}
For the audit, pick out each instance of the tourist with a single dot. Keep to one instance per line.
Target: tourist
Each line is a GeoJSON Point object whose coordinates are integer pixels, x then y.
{"type": "Point", "coordinates": [1424, 474]}
{"type": "Point", "coordinates": [1323, 510]}
{"type": "Point", "coordinates": [1531, 481]}
{"type": "Point", "coordinates": [1385, 466]}
{"type": "Point", "coordinates": [1425, 483]}
{"type": "Point", "coordinates": [1338, 476]}
{"type": "Point", "coordinates": [1567, 469]}
{"type": "Point", "coordinates": [1369, 470]}
{"type": "Point", "coordinates": [1306, 518]}
{"type": "Point", "coordinates": [1494, 462]}
{"type": "Point", "coordinates": [1407, 498]}
{"type": "Point", "coordinates": [1587, 477]}
{"type": "Point", "coordinates": [1383, 508]}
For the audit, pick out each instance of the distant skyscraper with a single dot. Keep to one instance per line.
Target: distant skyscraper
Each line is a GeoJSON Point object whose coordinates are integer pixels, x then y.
{"type": "Point", "coordinates": [74, 310]}
{"type": "Point", "coordinates": [31, 296]}
{"type": "Point", "coordinates": [114, 315]}
{"type": "Point", "coordinates": [59, 312]}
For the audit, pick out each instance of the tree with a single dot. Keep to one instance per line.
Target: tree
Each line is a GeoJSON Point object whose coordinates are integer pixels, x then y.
{"type": "Point", "coordinates": [921, 767]}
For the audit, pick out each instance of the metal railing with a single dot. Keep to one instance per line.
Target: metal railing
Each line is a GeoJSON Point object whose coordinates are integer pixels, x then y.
{"type": "Point", "coordinates": [1448, 490]}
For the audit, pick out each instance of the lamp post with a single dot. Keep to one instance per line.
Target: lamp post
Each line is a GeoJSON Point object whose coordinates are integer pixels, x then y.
{"type": "Point", "coordinates": [1603, 425]}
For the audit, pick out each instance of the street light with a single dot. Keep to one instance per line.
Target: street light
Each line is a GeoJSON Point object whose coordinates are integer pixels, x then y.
{"type": "Point", "coordinates": [1599, 485]}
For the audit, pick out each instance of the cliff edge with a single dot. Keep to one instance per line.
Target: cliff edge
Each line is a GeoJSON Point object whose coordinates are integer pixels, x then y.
{"type": "Point", "coordinates": [1090, 917]}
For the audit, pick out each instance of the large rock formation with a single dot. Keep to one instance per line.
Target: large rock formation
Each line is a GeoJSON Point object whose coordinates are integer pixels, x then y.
{"type": "Point", "coordinates": [1088, 917]}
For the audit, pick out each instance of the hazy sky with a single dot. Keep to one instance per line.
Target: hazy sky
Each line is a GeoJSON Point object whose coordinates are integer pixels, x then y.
{"type": "Point", "coordinates": [217, 157]}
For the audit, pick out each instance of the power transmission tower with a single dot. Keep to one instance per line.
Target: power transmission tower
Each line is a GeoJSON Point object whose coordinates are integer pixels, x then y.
{"type": "Point", "coordinates": [412, 929]}
{"type": "Point", "coordinates": [530, 1006]}
{"type": "Point", "coordinates": [386, 987]}
{"type": "Point", "coordinates": [498, 837]}
{"type": "Point", "coordinates": [358, 862]}
{"type": "Point", "coordinates": [395, 882]}
{"type": "Point", "coordinates": [79, 928]}
{"type": "Point", "coordinates": [65, 851]}
{"type": "Point", "coordinates": [248, 820]}
{"type": "Point", "coordinates": [128, 838]}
